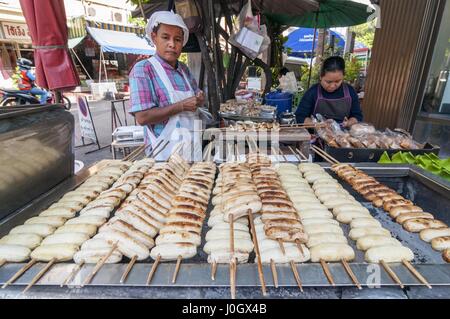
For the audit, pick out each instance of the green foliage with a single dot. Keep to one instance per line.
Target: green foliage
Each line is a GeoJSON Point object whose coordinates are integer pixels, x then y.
{"type": "Point", "coordinates": [183, 58]}
{"type": "Point", "coordinates": [352, 67]}
{"type": "Point", "coordinates": [139, 21]}
{"type": "Point", "coordinates": [16, 78]}
{"type": "Point", "coordinates": [136, 2]}
{"type": "Point", "coordinates": [365, 33]}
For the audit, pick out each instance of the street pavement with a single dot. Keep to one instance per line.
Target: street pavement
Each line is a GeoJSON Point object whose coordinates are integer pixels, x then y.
{"type": "Point", "coordinates": [101, 115]}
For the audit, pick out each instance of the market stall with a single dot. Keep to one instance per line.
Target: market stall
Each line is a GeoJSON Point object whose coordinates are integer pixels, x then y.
{"type": "Point", "coordinates": [235, 252]}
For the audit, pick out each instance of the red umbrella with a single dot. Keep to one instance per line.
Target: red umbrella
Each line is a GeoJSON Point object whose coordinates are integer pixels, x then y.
{"type": "Point", "coordinates": [46, 20]}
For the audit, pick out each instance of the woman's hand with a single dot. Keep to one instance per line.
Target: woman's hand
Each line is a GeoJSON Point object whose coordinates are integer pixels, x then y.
{"type": "Point", "coordinates": [308, 120]}
{"type": "Point", "coordinates": [349, 122]}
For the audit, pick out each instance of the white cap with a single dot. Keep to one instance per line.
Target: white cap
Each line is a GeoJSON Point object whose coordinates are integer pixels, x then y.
{"type": "Point", "coordinates": [167, 17]}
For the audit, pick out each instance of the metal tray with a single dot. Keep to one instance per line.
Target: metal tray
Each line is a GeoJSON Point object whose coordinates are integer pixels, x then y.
{"type": "Point", "coordinates": [423, 188]}
{"type": "Point", "coordinates": [362, 155]}
{"type": "Point", "coordinates": [270, 117]}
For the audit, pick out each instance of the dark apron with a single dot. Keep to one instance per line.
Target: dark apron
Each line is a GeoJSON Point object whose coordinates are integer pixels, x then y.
{"type": "Point", "coordinates": [336, 109]}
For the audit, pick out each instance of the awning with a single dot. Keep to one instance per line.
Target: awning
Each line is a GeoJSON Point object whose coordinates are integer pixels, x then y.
{"type": "Point", "coordinates": [47, 24]}
{"type": "Point", "coordinates": [72, 43]}
{"type": "Point", "coordinates": [121, 42]}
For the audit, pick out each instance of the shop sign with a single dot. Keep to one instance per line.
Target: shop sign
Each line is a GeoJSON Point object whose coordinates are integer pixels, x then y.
{"type": "Point", "coordinates": [87, 129]}
{"type": "Point", "coordinates": [15, 31]}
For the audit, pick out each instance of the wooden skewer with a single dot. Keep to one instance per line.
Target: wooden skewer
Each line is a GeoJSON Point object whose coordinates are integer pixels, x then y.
{"type": "Point", "coordinates": [256, 146]}
{"type": "Point", "coordinates": [162, 149]}
{"type": "Point", "coordinates": [296, 275]}
{"type": "Point", "coordinates": [154, 149]}
{"type": "Point", "coordinates": [213, 270]}
{"type": "Point", "coordinates": [295, 154]}
{"type": "Point", "coordinates": [72, 274]}
{"type": "Point", "coordinates": [177, 269]}
{"type": "Point", "coordinates": [280, 243]}
{"type": "Point", "coordinates": [301, 154]}
{"type": "Point", "coordinates": [232, 260]}
{"type": "Point", "coordinates": [231, 221]}
{"type": "Point", "coordinates": [299, 246]}
{"type": "Point", "coordinates": [233, 279]}
{"type": "Point", "coordinates": [99, 265]}
{"type": "Point", "coordinates": [250, 146]}
{"type": "Point", "coordinates": [273, 267]}
{"type": "Point", "coordinates": [282, 154]}
{"type": "Point", "coordinates": [207, 156]}
{"type": "Point", "coordinates": [417, 274]}
{"type": "Point", "coordinates": [327, 272]}
{"type": "Point", "coordinates": [325, 155]}
{"type": "Point", "coordinates": [177, 148]}
{"type": "Point", "coordinates": [350, 272]}
{"type": "Point", "coordinates": [20, 273]}
{"type": "Point", "coordinates": [2, 262]}
{"type": "Point", "coordinates": [258, 256]}
{"type": "Point", "coordinates": [391, 273]}
{"type": "Point", "coordinates": [153, 270]}
{"type": "Point", "coordinates": [132, 154]}
{"type": "Point", "coordinates": [127, 271]}
{"type": "Point", "coordinates": [142, 150]}
{"type": "Point", "coordinates": [39, 275]}
{"type": "Point", "coordinates": [301, 125]}
{"type": "Point", "coordinates": [228, 154]}
{"type": "Point", "coordinates": [322, 155]}
{"type": "Point", "coordinates": [274, 152]}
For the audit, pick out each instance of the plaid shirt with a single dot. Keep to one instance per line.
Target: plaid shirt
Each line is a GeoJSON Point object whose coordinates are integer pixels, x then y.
{"type": "Point", "coordinates": [148, 91]}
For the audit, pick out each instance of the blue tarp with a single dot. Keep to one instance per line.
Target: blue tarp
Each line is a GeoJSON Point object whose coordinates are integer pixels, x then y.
{"type": "Point", "coordinates": [300, 42]}
{"type": "Point", "coordinates": [121, 42]}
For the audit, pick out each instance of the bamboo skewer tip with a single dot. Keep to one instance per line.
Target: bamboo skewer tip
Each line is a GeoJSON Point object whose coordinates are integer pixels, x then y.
{"type": "Point", "coordinates": [153, 269]}
{"type": "Point", "coordinates": [351, 274]}
{"type": "Point", "coordinates": [273, 267]}
{"type": "Point", "coordinates": [416, 273]}
{"type": "Point", "coordinates": [72, 274]}
{"type": "Point", "coordinates": [280, 243]}
{"type": "Point", "coordinates": [99, 265]}
{"type": "Point", "coordinates": [296, 275]}
{"type": "Point", "coordinates": [128, 269]}
{"type": "Point", "coordinates": [392, 274]}
{"type": "Point", "coordinates": [299, 246]}
{"type": "Point", "coordinates": [177, 269]}
{"type": "Point", "coordinates": [39, 275]}
{"type": "Point", "coordinates": [327, 272]}
{"type": "Point", "coordinates": [19, 273]}
{"type": "Point", "coordinates": [258, 256]}
{"type": "Point", "coordinates": [213, 270]}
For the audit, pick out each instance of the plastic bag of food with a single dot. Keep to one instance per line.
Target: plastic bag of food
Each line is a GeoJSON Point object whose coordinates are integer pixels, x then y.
{"type": "Point", "coordinates": [359, 129]}
{"type": "Point", "coordinates": [250, 37]}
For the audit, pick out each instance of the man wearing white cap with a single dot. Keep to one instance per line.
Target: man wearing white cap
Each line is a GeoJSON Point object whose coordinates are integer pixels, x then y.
{"type": "Point", "coordinates": [164, 95]}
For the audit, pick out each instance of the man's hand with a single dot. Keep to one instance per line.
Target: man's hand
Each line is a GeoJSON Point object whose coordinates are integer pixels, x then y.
{"type": "Point", "coordinates": [191, 104]}
{"type": "Point", "coordinates": [200, 98]}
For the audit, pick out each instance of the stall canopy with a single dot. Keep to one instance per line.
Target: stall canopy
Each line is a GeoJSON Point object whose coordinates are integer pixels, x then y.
{"type": "Point", "coordinates": [121, 42]}
{"type": "Point", "coordinates": [74, 42]}
{"type": "Point", "coordinates": [300, 42]}
{"type": "Point", "coordinates": [46, 22]}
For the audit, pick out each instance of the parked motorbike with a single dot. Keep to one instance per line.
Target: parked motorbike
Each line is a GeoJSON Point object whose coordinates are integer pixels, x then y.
{"type": "Point", "coordinates": [18, 97]}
